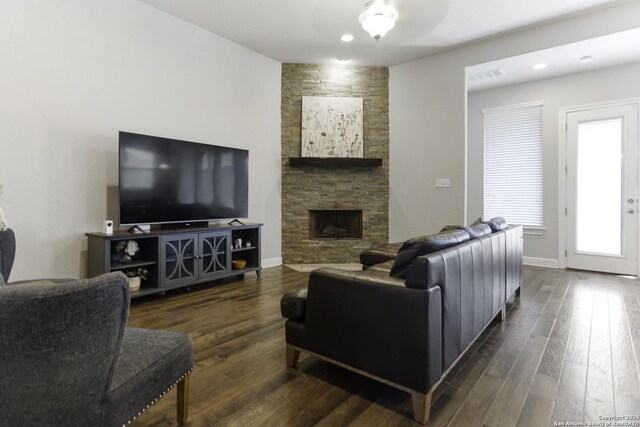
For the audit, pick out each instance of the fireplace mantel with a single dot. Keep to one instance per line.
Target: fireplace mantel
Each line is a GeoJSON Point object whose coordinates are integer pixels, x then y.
{"type": "Point", "coordinates": [335, 162]}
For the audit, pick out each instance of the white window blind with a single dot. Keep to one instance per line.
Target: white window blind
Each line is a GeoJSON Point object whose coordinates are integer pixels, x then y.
{"type": "Point", "coordinates": [513, 163]}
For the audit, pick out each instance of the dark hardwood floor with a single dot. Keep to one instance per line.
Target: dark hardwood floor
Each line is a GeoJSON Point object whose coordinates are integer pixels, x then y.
{"type": "Point", "coordinates": [568, 351]}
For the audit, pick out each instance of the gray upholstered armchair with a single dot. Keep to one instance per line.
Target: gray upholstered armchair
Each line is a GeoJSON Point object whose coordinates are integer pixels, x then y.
{"type": "Point", "coordinates": [67, 357]}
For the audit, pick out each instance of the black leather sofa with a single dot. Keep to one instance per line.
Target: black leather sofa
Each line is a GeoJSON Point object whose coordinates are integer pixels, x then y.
{"type": "Point", "coordinates": [406, 319]}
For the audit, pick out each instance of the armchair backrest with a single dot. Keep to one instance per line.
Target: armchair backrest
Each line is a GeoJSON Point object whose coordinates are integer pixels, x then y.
{"type": "Point", "coordinates": [58, 347]}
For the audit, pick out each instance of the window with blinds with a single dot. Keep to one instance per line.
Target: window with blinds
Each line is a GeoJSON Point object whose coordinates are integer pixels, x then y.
{"type": "Point", "coordinates": [513, 163]}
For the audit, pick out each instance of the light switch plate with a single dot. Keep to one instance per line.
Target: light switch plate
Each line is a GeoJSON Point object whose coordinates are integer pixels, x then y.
{"type": "Point", "coordinates": [443, 182]}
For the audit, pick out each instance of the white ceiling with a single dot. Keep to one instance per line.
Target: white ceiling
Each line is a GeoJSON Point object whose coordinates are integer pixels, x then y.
{"type": "Point", "coordinates": [606, 51]}
{"type": "Point", "coordinates": [308, 31]}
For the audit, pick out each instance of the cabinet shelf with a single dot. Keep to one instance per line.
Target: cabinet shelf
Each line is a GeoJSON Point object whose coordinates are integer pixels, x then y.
{"type": "Point", "coordinates": [247, 269]}
{"type": "Point", "coordinates": [144, 290]}
{"type": "Point", "coordinates": [243, 249]}
{"type": "Point", "coordinates": [132, 264]}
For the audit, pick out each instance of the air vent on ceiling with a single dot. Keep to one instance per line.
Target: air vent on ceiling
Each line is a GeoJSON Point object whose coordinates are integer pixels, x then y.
{"type": "Point", "coordinates": [486, 75]}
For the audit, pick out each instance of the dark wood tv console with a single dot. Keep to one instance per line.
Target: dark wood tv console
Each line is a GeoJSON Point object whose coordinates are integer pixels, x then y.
{"type": "Point", "coordinates": [178, 258]}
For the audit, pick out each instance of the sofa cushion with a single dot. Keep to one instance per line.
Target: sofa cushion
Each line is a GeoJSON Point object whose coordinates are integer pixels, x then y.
{"type": "Point", "coordinates": [474, 231]}
{"type": "Point", "coordinates": [379, 254]}
{"type": "Point", "coordinates": [497, 224]}
{"type": "Point", "coordinates": [384, 267]}
{"type": "Point", "coordinates": [423, 245]}
{"type": "Point", "coordinates": [147, 366]}
{"type": "Point", "coordinates": [293, 304]}
{"type": "Point", "coordinates": [477, 231]}
{"type": "Point", "coordinates": [379, 277]}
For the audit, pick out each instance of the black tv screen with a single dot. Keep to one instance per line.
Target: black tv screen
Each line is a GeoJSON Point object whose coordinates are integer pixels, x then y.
{"type": "Point", "coordinates": [164, 180]}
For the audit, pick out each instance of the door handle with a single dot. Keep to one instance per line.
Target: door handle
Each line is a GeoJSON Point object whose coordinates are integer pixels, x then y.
{"type": "Point", "coordinates": [631, 201]}
{"type": "Point", "coordinates": [631, 211]}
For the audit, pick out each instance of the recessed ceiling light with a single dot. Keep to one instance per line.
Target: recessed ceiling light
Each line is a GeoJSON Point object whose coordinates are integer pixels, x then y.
{"type": "Point", "coordinates": [346, 38]}
{"type": "Point", "coordinates": [586, 59]}
{"type": "Point", "coordinates": [540, 66]}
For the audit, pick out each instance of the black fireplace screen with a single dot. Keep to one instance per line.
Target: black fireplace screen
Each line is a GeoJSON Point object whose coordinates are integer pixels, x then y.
{"type": "Point", "coordinates": [335, 224]}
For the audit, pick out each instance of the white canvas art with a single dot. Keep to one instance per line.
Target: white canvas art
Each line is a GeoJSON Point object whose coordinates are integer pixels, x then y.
{"type": "Point", "coordinates": [331, 127]}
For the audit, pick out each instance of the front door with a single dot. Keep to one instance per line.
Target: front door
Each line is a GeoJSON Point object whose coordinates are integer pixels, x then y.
{"type": "Point", "coordinates": [602, 189]}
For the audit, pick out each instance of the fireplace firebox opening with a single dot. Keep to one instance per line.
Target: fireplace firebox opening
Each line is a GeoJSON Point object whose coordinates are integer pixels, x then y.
{"type": "Point", "coordinates": [335, 224]}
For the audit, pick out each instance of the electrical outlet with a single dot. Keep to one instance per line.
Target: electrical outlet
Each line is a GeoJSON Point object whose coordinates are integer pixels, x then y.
{"type": "Point", "coordinates": [443, 182]}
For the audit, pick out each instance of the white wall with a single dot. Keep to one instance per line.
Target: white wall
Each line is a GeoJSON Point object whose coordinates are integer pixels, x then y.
{"type": "Point", "coordinates": [576, 89]}
{"type": "Point", "coordinates": [73, 73]}
{"type": "Point", "coordinates": [427, 113]}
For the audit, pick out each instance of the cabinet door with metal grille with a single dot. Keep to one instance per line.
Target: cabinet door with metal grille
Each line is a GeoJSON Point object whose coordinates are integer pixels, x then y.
{"type": "Point", "coordinates": [180, 261]}
{"type": "Point", "coordinates": [214, 251]}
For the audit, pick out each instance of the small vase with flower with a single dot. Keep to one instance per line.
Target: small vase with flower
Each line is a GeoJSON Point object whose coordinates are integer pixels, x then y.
{"type": "Point", "coordinates": [136, 276]}
{"type": "Point", "coordinates": [127, 250]}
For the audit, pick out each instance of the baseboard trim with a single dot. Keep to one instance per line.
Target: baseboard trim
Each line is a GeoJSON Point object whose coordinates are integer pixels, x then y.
{"type": "Point", "coordinates": [541, 262]}
{"type": "Point", "coordinates": [271, 262]}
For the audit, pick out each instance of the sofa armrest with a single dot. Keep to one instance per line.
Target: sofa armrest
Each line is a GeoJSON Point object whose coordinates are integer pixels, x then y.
{"type": "Point", "coordinates": [374, 323]}
{"type": "Point", "coordinates": [293, 304]}
{"type": "Point", "coordinates": [379, 254]}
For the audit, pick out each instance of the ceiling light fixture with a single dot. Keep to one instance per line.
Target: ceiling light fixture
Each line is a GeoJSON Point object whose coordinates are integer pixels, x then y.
{"type": "Point", "coordinates": [378, 17]}
{"type": "Point", "coordinates": [540, 66]}
{"type": "Point", "coordinates": [586, 59]}
{"type": "Point", "coordinates": [346, 38]}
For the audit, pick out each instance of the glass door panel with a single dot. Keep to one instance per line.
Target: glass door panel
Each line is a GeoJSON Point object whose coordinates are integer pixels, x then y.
{"type": "Point", "coordinates": [215, 254]}
{"type": "Point", "coordinates": [179, 255]}
{"type": "Point", "coordinates": [599, 200]}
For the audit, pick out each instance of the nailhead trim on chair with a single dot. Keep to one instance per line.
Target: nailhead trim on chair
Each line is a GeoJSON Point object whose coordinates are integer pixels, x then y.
{"type": "Point", "coordinates": [156, 399]}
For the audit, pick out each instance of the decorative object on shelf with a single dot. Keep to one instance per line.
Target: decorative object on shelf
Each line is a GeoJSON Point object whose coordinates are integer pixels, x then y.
{"type": "Point", "coordinates": [332, 127]}
{"type": "Point", "coordinates": [134, 283]}
{"type": "Point", "coordinates": [378, 17]}
{"type": "Point", "coordinates": [107, 226]}
{"type": "Point", "coordinates": [237, 243]}
{"type": "Point", "coordinates": [247, 244]}
{"type": "Point", "coordinates": [127, 250]}
{"type": "Point", "coordinates": [136, 276]}
{"type": "Point", "coordinates": [4, 225]}
{"type": "Point", "coordinates": [239, 264]}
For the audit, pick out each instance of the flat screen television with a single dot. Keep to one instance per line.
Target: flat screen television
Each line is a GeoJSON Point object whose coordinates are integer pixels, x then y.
{"type": "Point", "coordinates": [167, 181]}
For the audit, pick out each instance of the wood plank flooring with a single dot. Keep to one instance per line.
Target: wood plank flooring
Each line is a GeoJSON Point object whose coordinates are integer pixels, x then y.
{"type": "Point", "coordinates": [568, 351]}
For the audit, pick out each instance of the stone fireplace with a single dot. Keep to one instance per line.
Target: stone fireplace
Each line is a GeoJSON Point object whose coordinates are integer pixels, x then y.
{"type": "Point", "coordinates": [331, 214]}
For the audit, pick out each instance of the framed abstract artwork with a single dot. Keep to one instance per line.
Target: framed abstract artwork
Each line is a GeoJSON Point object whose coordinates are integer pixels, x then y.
{"type": "Point", "coordinates": [331, 127]}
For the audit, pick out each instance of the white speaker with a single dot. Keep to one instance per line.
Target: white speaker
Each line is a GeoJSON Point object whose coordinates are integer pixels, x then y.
{"type": "Point", "coordinates": [107, 227]}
